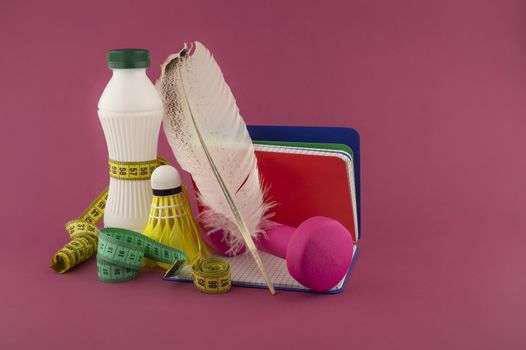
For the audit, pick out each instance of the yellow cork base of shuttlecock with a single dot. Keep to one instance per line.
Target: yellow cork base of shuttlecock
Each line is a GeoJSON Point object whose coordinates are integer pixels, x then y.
{"type": "Point", "coordinates": [171, 223]}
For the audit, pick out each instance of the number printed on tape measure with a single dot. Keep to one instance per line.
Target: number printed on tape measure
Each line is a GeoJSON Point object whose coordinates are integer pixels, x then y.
{"type": "Point", "coordinates": [133, 170]}
{"type": "Point", "coordinates": [120, 254]}
{"type": "Point", "coordinates": [83, 233]}
{"type": "Point", "coordinates": [212, 275]}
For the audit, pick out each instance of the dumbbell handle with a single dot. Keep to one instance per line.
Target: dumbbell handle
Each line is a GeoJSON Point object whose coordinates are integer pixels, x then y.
{"type": "Point", "coordinates": [276, 240]}
{"type": "Point", "coordinates": [275, 243]}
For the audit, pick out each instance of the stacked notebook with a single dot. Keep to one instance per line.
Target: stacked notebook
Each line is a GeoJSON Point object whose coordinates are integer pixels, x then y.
{"type": "Point", "coordinates": [310, 171]}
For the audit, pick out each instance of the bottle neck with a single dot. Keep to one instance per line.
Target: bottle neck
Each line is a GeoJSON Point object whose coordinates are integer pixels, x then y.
{"type": "Point", "coordinates": [129, 73]}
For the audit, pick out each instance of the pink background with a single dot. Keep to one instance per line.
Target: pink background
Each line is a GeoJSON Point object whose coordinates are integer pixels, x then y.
{"type": "Point", "coordinates": [437, 90]}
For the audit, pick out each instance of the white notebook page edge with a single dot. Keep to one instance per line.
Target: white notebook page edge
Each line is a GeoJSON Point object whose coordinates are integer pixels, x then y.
{"type": "Point", "coordinates": [245, 273]}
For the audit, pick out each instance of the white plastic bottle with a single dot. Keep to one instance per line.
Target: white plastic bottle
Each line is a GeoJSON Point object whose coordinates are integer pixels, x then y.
{"type": "Point", "coordinates": [130, 111]}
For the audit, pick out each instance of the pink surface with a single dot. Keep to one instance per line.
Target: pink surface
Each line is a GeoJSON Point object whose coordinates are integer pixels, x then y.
{"type": "Point", "coordinates": [437, 90]}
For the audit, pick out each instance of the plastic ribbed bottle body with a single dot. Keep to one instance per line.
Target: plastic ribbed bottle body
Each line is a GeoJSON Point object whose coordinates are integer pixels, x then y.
{"type": "Point", "coordinates": [130, 111]}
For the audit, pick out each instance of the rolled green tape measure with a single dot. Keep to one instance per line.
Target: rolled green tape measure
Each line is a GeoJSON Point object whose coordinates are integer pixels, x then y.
{"type": "Point", "coordinates": [212, 275]}
{"type": "Point", "coordinates": [120, 254]}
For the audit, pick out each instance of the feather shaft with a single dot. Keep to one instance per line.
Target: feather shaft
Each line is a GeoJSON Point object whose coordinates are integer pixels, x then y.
{"type": "Point", "coordinates": [210, 140]}
{"type": "Point", "coordinates": [239, 219]}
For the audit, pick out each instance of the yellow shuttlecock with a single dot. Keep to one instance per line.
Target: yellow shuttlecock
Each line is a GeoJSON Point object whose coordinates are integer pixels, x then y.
{"type": "Point", "coordinates": [171, 220]}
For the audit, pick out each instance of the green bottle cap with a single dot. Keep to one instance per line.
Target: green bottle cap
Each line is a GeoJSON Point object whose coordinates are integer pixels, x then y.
{"type": "Point", "coordinates": [128, 58]}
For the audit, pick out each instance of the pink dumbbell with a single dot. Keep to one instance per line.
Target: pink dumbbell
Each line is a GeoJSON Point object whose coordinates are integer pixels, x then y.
{"type": "Point", "coordinates": [318, 252]}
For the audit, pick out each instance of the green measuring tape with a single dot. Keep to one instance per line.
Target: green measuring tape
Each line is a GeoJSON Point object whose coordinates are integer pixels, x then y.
{"type": "Point", "coordinates": [120, 254]}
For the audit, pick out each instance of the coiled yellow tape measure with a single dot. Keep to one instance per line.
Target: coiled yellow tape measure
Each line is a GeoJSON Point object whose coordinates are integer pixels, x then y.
{"type": "Point", "coordinates": [212, 275]}
{"type": "Point", "coordinates": [83, 233]}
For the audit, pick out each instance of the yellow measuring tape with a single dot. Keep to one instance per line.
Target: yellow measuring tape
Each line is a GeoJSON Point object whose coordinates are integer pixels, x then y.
{"type": "Point", "coordinates": [134, 170]}
{"type": "Point", "coordinates": [212, 275]}
{"type": "Point", "coordinates": [83, 233]}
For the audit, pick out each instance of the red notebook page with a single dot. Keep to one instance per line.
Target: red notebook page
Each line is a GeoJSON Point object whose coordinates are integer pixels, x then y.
{"type": "Point", "coordinates": [307, 185]}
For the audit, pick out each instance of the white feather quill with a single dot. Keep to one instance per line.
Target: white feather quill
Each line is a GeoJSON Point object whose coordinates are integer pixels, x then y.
{"type": "Point", "coordinates": [210, 140]}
